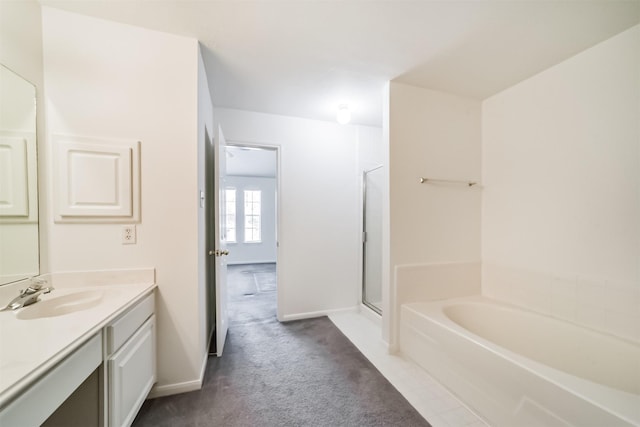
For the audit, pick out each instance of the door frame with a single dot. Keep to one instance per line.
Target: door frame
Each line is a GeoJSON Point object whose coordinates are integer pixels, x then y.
{"type": "Point", "coordinates": [363, 293]}
{"type": "Point", "coordinates": [279, 258]}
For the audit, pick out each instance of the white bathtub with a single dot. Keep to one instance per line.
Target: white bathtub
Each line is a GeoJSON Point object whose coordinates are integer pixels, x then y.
{"type": "Point", "coordinates": [519, 368]}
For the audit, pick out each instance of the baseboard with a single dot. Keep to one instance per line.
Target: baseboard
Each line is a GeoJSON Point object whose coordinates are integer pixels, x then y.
{"type": "Point", "coordinates": [203, 368]}
{"type": "Point", "coordinates": [251, 262]}
{"type": "Point", "coordinates": [312, 314]}
{"type": "Point", "coordinates": [169, 389]}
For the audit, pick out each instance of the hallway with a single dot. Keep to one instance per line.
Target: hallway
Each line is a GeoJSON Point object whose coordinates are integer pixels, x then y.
{"type": "Point", "coordinates": [301, 373]}
{"type": "Point", "coordinates": [252, 293]}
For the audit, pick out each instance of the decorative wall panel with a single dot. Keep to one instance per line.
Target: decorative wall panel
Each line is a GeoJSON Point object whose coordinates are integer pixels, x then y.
{"type": "Point", "coordinates": [14, 184]}
{"type": "Point", "coordinates": [96, 180]}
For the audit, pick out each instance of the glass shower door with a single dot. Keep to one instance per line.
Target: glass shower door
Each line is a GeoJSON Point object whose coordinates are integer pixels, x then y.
{"type": "Point", "coordinates": [372, 239]}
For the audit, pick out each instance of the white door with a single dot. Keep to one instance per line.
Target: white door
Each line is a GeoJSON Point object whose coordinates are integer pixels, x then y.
{"type": "Point", "coordinates": [222, 315]}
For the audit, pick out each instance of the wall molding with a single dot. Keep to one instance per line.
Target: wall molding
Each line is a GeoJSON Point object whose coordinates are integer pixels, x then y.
{"type": "Point", "coordinates": [313, 314]}
{"type": "Point", "coordinates": [177, 388]}
{"type": "Point", "coordinates": [183, 387]}
{"type": "Point", "coordinates": [14, 201]}
{"type": "Point", "coordinates": [273, 261]}
{"type": "Point", "coordinates": [96, 180]}
{"type": "Point", "coordinates": [19, 201]}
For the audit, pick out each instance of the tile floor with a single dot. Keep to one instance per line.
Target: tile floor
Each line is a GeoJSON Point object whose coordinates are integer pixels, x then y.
{"type": "Point", "coordinates": [430, 399]}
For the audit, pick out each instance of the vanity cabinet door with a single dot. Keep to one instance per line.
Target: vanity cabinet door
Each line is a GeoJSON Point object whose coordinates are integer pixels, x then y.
{"type": "Point", "coordinates": [132, 373]}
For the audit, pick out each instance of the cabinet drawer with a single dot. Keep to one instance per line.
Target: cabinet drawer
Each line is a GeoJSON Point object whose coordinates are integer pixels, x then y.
{"type": "Point", "coordinates": [132, 373]}
{"type": "Point", "coordinates": [120, 330]}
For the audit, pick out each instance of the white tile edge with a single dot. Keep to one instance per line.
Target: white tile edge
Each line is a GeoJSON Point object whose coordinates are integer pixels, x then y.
{"type": "Point", "coordinates": [405, 391]}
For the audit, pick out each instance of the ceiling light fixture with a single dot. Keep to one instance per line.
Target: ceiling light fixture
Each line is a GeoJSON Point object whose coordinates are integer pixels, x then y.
{"type": "Point", "coordinates": [344, 114]}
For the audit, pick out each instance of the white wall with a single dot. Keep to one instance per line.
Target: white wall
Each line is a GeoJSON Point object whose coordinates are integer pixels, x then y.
{"type": "Point", "coordinates": [110, 80]}
{"type": "Point", "coordinates": [265, 250]}
{"type": "Point", "coordinates": [318, 257]}
{"type": "Point", "coordinates": [21, 50]}
{"type": "Point", "coordinates": [561, 204]}
{"type": "Point", "coordinates": [436, 135]}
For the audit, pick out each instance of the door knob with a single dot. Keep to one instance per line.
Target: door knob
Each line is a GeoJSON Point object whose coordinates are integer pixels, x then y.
{"type": "Point", "coordinates": [210, 253]}
{"type": "Point", "coordinates": [225, 252]}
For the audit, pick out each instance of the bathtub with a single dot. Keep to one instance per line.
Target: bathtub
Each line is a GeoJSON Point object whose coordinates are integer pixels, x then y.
{"type": "Point", "coordinates": [517, 368]}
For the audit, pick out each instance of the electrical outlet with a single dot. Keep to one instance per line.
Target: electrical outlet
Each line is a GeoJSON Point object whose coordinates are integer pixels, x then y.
{"type": "Point", "coordinates": [128, 234]}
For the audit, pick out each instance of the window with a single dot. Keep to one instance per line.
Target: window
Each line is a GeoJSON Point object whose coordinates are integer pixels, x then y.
{"type": "Point", "coordinates": [230, 214]}
{"type": "Point", "coordinates": [252, 219]}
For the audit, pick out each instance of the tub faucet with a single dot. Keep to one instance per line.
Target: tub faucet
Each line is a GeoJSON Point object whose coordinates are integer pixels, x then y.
{"type": "Point", "coordinates": [30, 295]}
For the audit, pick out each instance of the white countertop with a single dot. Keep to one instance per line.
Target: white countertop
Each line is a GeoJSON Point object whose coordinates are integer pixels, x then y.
{"type": "Point", "coordinates": [29, 348]}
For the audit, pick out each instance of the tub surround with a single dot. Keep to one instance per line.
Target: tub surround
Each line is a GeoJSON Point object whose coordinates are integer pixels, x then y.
{"type": "Point", "coordinates": [31, 347]}
{"type": "Point", "coordinates": [431, 282]}
{"type": "Point", "coordinates": [437, 135]}
{"type": "Point", "coordinates": [560, 204]}
{"type": "Point", "coordinates": [511, 379]}
{"type": "Point", "coordinates": [609, 306]}
{"type": "Point", "coordinates": [554, 229]}
{"type": "Point", "coordinates": [436, 281]}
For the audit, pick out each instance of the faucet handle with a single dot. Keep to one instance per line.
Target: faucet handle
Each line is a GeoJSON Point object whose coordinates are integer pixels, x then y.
{"type": "Point", "coordinates": [38, 282]}
{"type": "Point", "coordinates": [29, 291]}
{"type": "Point", "coordinates": [35, 286]}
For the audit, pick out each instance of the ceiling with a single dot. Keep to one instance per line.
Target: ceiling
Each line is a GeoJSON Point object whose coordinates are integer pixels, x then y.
{"type": "Point", "coordinates": [304, 58]}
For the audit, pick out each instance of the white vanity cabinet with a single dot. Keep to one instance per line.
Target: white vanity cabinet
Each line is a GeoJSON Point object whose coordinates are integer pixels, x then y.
{"type": "Point", "coordinates": [36, 404]}
{"type": "Point", "coordinates": [91, 369]}
{"type": "Point", "coordinates": [130, 362]}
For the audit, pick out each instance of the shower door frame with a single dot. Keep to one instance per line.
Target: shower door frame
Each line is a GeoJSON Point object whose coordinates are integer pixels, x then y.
{"type": "Point", "coordinates": [372, 307]}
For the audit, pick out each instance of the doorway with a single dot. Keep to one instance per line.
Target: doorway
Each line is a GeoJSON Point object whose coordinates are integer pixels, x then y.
{"type": "Point", "coordinates": [252, 293]}
{"type": "Point", "coordinates": [215, 240]}
{"type": "Point", "coordinates": [251, 201]}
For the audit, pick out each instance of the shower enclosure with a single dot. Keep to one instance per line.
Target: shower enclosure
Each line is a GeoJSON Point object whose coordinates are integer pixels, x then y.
{"type": "Point", "coordinates": [372, 181]}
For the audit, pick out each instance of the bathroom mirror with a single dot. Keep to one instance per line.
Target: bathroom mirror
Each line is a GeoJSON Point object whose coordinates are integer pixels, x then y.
{"type": "Point", "coordinates": [19, 249]}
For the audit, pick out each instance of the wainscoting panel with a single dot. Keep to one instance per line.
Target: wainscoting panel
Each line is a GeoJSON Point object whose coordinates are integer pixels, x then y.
{"type": "Point", "coordinates": [14, 200]}
{"type": "Point", "coordinates": [96, 180]}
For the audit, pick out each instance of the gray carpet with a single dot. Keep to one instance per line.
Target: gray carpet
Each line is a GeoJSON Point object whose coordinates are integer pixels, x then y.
{"type": "Point", "coordinates": [302, 373]}
{"type": "Point", "coordinates": [252, 293]}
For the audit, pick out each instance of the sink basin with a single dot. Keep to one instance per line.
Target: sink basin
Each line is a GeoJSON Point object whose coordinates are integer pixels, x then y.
{"type": "Point", "coordinates": [64, 304]}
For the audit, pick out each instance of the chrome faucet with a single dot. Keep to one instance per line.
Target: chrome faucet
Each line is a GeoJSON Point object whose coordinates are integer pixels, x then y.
{"type": "Point", "coordinates": [30, 295]}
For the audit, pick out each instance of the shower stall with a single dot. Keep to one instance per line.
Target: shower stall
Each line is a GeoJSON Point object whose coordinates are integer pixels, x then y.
{"type": "Point", "coordinates": [372, 185]}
